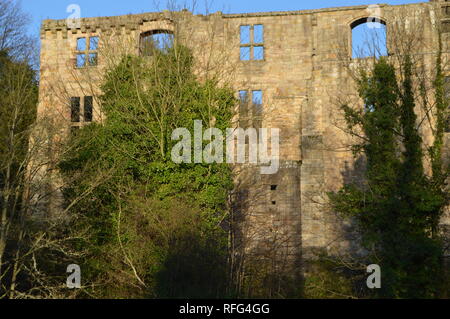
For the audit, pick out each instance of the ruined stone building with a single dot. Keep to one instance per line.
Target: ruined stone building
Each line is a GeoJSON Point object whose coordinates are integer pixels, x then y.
{"type": "Point", "coordinates": [294, 65]}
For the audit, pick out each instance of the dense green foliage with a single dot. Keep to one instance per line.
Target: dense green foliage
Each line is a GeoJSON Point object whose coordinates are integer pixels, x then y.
{"type": "Point", "coordinates": [155, 225]}
{"type": "Point", "coordinates": [18, 98]}
{"type": "Point", "coordinates": [399, 207]}
{"type": "Point", "coordinates": [18, 92]}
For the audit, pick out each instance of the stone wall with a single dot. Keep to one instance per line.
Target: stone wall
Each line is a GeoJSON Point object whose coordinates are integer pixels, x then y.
{"type": "Point", "coordinates": [302, 76]}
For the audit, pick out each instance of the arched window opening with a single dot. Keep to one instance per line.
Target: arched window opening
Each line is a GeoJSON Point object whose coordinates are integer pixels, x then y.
{"type": "Point", "coordinates": [161, 40]}
{"type": "Point", "coordinates": [369, 38]}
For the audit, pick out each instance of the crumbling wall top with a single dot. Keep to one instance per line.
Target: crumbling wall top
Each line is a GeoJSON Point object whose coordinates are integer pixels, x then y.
{"type": "Point", "coordinates": [132, 21]}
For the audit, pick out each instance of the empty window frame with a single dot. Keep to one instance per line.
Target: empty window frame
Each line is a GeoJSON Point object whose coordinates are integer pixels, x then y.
{"type": "Point", "coordinates": [250, 114]}
{"type": "Point", "coordinates": [161, 40]}
{"type": "Point", "coordinates": [368, 39]}
{"type": "Point", "coordinates": [257, 104]}
{"type": "Point", "coordinates": [75, 109]}
{"type": "Point", "coordinates": [244, 114]}
{"type": "Point", "coordinates": [252, 42]}
{"type": "Point", "coordinates": [88, 108]}
{"type": "Point", "coordinates": [86, 52]}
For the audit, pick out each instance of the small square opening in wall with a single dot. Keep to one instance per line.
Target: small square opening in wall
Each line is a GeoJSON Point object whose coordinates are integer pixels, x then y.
{"type": "Point", "coordinates": [273, 187]}
{"type": "Point", "coordinates": [274, 202]}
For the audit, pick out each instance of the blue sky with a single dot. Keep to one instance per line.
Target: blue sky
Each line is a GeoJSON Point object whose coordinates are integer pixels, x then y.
{"type": "Point", "coordinates": [56, 9]}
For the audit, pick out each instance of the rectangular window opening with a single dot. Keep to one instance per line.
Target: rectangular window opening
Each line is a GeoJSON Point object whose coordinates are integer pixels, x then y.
{"type": "Point", "coordinates": [86, 54]}
{"type": "Point", "coordinates": [245, 34]}
{"type": "Point", "coordinates": [257, 108]}
{"type": "Point", "coordinates": [81, 60]}
{"type": "Point", "coordinates": [257, 100]}
{"type": "Point", "coordinates": [75, 109]}
{"type": "Point", "coordinates": [243, 108]}
{"type": "Point", "coordinates": [252, 42]}
{"type": "Point", "coordinates": [93, 43]}
{"type": "Point", "coordinates": [245, 53]}
{"type": "Point", "coordinates": [258, 53]}
{"type": "Point", "coordinates": [273, 187]}
{"type": "Point", "coordinates": [258, 34]}
{"type": "Point", "coordinates": [88, 108]}
{"type": "Point", "coordinates": [243, 97]}
{"type": "Point", "coordinates": [81, 44]}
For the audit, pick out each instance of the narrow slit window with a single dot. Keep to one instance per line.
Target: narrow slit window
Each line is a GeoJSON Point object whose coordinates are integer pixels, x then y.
{"type": "Point", "coordinates": [257, 108]}
{"type": "Point", "coordinates": [75, 109]}
{"type": "Point", "coordinates": [243, 108]}
{"type": "Point", "coordinates": [88, 108]}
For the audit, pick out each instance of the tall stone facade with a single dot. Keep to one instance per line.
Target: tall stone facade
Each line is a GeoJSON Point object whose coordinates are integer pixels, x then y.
{"type": "Point", "coordinates": [303, 72]}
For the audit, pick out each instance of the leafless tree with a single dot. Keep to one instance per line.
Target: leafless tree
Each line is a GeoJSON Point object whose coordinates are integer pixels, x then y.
{"type": "Point", "coordinates": [14, 37]}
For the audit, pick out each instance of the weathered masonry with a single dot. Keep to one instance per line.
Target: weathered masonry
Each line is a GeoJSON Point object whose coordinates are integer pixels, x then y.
{"type": "Point", "coordinates": [287, 65]}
